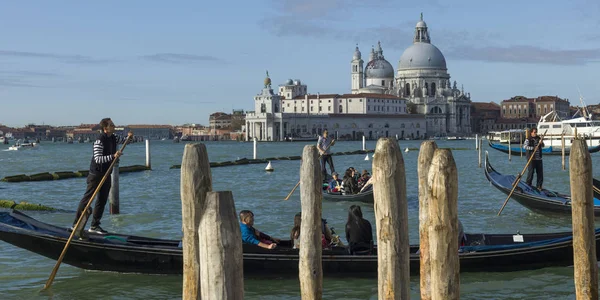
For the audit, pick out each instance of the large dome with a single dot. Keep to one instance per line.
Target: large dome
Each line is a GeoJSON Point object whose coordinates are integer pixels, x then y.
{"type": "Point", "coordinates": [422, 56]}
{"type": "Point", "coordinates": [379, 68]}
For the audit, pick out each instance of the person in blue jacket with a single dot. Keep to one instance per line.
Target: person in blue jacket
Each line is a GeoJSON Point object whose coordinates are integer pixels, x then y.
{"type": "Point", "coordinates": [252, 236]}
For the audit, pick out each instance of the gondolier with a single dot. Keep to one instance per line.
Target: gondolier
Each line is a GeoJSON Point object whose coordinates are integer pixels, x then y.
{"type": "Point", "coordinates": [536, 164]}
{"type": "Point", "coordinates": [105, 151]}
{"type": "Point", "coordinates": [323, 145]}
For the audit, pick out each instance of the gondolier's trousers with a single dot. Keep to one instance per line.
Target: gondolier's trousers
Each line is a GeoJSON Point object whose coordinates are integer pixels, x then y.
{"type": "Point", "coordinates": [537, 167]}
{"type": "Point", "coordinates": [93, 180]}
{"type": "Point", "coordinates": [326, 159]}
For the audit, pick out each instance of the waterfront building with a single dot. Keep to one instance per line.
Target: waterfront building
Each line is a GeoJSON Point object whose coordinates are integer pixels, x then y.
{"type": "Point", "coordinates": [150, 132]}
{"type": "Point", "coordinates": [415, 102]}
{"type": "Point", "coordinates": [522, 107]}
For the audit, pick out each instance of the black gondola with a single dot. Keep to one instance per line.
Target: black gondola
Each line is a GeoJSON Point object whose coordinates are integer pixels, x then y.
{"type": "Point", "coordinates": [366, 196]}
{"type": "Point", "coordinates": [543, 201]}
{"type": "Point", "coordinates": [132, 254]}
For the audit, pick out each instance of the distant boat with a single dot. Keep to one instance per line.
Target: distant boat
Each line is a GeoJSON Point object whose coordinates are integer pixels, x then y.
{"type": "Point", "coordinates": [3, 140]}
{"type": "Point", "coordinates": [304, 137]}
{"type": "Point", "coordinates": [26, 146]}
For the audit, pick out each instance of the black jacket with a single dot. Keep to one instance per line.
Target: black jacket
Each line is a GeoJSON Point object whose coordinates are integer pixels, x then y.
{"type": "Point", "coordinates": [105, 148]}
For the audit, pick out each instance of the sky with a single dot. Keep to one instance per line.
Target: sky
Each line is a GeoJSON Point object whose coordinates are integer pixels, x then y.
{"type": "Point", "coordinates": [175, 62]}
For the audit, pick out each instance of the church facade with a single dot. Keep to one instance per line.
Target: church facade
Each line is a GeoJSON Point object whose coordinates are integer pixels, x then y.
{"type": "Point", "coordinates": [415, 102]}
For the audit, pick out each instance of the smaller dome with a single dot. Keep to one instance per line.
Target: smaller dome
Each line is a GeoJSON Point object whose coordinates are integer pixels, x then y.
{"type": "Point", "coordinates": [421, 24]}
{"type": "Point", "coordinates": [289, 82]}
{"type": "Point", "coordinates": [357, 55]}
{"type": "Point", "coordinates": [267, 81]}
{"type": "Point", "coordinates": [297, 82]}
{"type": "Point", "coordinates": [379, 68]}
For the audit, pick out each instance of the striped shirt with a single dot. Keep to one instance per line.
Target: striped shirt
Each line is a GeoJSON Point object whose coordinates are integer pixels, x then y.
{"type": "Point", "coordinates": [99, 149]}
{"type": "Point", "coordinates": [325, 143]}
{"type": "Point", "coordinates": [530, 144]}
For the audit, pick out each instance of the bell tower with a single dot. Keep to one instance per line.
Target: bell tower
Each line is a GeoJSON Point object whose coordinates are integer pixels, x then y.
{"type": "Point", "coordinates": [357, 71]}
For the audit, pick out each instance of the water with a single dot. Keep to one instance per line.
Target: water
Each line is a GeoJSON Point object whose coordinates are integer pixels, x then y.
{"type": "Point", "coordinates": [151, 206]}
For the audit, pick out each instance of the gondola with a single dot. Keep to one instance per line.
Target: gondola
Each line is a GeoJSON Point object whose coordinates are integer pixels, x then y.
{"type": "Point", "coordinates": [134, 254]}
{"type": "Point", "coordinates": [544, 201]}
{"type": "Point", "coordinates": [365, 196]}
{"type": "Point", "coordinates": [549, 150]}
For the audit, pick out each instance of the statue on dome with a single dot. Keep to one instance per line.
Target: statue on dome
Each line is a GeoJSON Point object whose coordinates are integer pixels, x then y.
{"type": "Point", "coordinates": [267, 81]}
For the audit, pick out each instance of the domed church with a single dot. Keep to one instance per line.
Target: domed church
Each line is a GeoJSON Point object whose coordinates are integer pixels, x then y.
{"type": "Point", "coordinates": [422, 78]}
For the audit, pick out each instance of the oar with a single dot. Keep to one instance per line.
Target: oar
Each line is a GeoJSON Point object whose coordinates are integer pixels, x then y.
{"type": "Point", "coordinates": [297, 184]}
{"type": "Point", "coordinates": [518, 179]}
{"type": "Point", "coordinates": [62, 255]}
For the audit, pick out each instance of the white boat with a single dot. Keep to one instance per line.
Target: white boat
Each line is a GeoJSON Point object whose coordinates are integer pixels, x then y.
{"type": "Point", "coordinates": [25, 146]}
{"type": "Point", "coordinates": [553, 129]}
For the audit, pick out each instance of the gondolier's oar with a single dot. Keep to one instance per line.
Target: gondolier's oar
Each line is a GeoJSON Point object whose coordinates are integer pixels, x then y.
{"type": "Point", "coordinates": [81, 217]}
{"type": "Point", "coordinates": [297, 184]}
{"type": "Point", "coordinates": [518, 179]}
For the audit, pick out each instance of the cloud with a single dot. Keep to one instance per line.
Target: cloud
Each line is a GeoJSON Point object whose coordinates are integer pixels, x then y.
{"type": "Point", "coordinates": [326, 20]}
{"type": "Point", "coordinates": [66, 58]}
{"type": "Point", "coordinates": [526, 54]}
{"type": "Point", "coordinates": [10, 78]}
{"type": "Point", "coordinates": [179, 58]}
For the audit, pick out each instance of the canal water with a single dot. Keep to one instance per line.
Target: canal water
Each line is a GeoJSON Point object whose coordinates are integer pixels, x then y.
{"type": "Point", "coordinates": [151, 206]}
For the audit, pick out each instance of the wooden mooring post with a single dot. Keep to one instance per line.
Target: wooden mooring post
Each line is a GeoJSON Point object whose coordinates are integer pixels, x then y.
{"type": "Point", "coordinates": [442, 186]}
{"type": "Point", "coordinates": [521, 143]}
{"type": "Point", "coordinates": [509, 146]}
{"type": "Point", "coordinates": [479, 152]}
{"type": "Point", "coordinates": [113, 194]}
{"type": "Point", "coordinates": [310, 265]}
{"type": "Point", "coordinates": [425, 156]}
{"type": "Point", "coordinates": [562, 149]}
{"type": "Point", "coordinates": [220, 244]}
{"type": "Point", "coordinates": [582, 202]}
{"type": "Point", "coordinates": [148, 162]}
{"type": "Point", "coordinates": [196, 181]}
{"type": "Point", "coordinates": [391, 217]}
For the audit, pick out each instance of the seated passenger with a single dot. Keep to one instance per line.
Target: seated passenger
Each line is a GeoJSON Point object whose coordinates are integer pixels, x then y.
{"type": "Point", "coordinates": [326, 235]}
{"type": "Point", "coordinates": [350, 185]}
{"type": "Point", "coordinates": [335, 186]}
{"type": "Point", "coordinates": [252, 236]}
{"type": "Point", "coordinates": [359, 233]}
{"type": "Point", "coordinates": [363, 179]}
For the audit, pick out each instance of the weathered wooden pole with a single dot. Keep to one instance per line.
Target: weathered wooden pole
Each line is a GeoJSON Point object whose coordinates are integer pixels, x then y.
{"type": "Point", "coordinates": [148, 163]}
{"type": "Point", "coordinates": [582, 202]}
{"type": "Point", "coordinates": [391, 217]}
{"type": "Point", "coordinates": [113, 195]}
{"type": "Point", "coordinates": [442, 184]}
{"type": "Point", "coordinates": [196, 181]}
{"type": "Point", "coordinates": [562, 149]}
{"type": "Point", "coordinates": [479, 154]}
{"type": "Point", "coordinates": [425, 157]}
{"type": "Point", "coordinates": [310, 268]}
{"type": "Point", "coordinates": [476, 142]}
{"type": "Point", "coordinates": [220, 244]}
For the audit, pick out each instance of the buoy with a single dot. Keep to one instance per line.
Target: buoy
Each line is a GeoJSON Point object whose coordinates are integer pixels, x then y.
{"type": "Point", "coordinates": [406, 150]}
{"type": "Point", "coordinates": [367, 157]}
{"type": "Point", "coordinates": [269, 168]}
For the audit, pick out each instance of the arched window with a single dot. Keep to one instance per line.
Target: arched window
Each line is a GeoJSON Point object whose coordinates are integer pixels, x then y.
{"type": "Point", "coordinates": [276, 108]}
{"type": "Point", "coordinates": [263, 108]}
{"type": "Point", "coordinates": [341, 109]}
{"type": "Point", "coordinates": [432, 92]}
{"type": "Point", "coordinates": [407, 89]}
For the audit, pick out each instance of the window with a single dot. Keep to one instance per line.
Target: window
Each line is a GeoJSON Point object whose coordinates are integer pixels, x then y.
{"type": "Point", "coordinates": [328, 108]}
{"type": "Point", "coordinates": [295, 109]}
{"type": "Point", "coordinates": [311, 108]}
{"type": "Point", "coordinates": [359, 100]}
{"type": "Point", "coordinates": [349, 100]}
{"type": "Point", "coordinates": [368, 107]}
{"type": "Point", "coordinates": [263, 108]}
{"type": "Point", "coordinates": [341, 109]}
{"type": "Point", "coordinates": [383, 83]}
{"type": "Point", "coordinates": [320, 108]}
